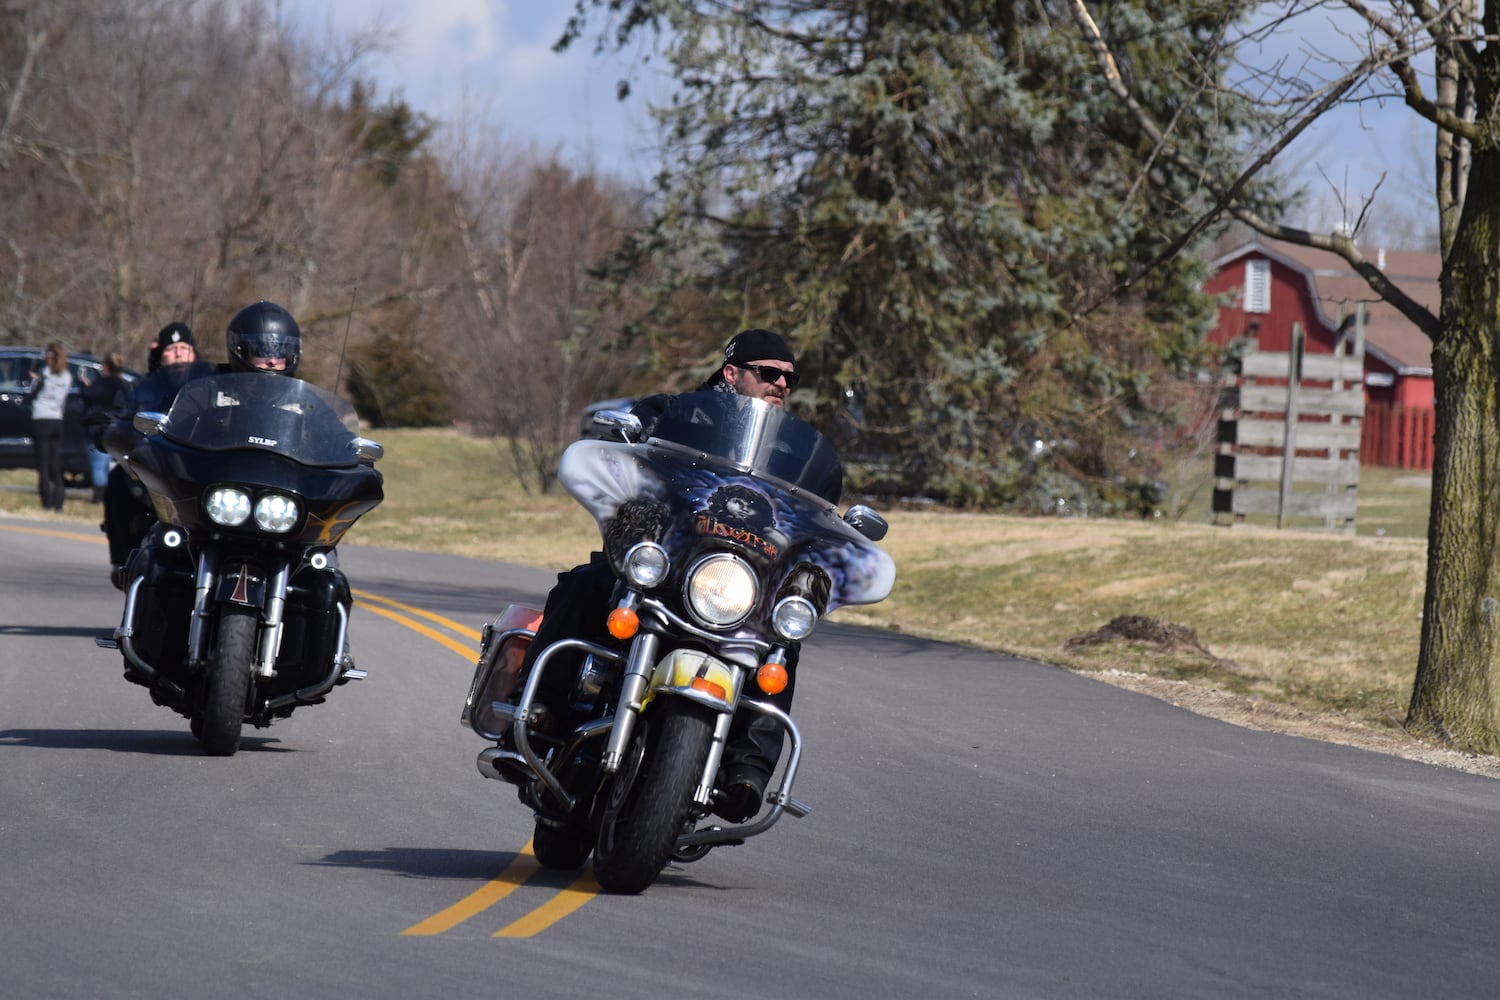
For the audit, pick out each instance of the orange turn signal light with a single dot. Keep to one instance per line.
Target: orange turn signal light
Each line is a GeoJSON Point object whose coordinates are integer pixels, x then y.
{"type": "Point", "coordinates": [623, 623]}
{"type": "Point", "coordinates": [709, 687]}
{"type": "Point", "coordinates": [771, 677]}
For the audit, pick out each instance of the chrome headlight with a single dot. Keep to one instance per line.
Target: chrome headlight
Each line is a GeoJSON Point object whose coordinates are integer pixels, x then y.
{"type": "Point", "coordinates": [646, 565]}
{"type": "Point", "coordinates": [227, 506]}
{"type": "Point", "coordinates": [276, 513]}
{"type": "Point", "coordinates": [793, 618]}
{"type": "Point", "coordinates": [721, 590]}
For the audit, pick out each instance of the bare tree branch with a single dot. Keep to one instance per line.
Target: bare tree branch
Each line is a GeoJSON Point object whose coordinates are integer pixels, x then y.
{"type": "Point", "coordinates": [1227, 197]}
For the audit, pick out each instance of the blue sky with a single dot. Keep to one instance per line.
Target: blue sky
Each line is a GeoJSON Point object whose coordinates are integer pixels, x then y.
{"type": "Point", "coordinates": [447, 52]}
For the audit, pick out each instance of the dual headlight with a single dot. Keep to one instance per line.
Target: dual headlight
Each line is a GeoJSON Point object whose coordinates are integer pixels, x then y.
{"type": "Point", "coordinates": [721, 590]}
{"type": "Point", "coordinates": [275, 513]}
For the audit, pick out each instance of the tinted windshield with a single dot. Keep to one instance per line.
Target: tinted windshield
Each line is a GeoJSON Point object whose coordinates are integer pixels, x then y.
{"type": "Point", "coordinates": [752, 436]}
{"type": "Point", "coordinates": [267, 412]}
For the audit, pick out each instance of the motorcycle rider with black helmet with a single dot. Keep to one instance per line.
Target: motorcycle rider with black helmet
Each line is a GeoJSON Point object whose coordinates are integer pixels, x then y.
{"type": "Point", "coordinates": [264, 337]}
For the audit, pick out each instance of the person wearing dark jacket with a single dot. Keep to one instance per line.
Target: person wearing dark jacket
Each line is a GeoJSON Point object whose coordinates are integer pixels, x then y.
{"type": "Point", "coordinates": [757, 363]}
{"type": "Point", "coordinates": [103, 397]}
{"type": "Point", "coordinates": [172, 363]}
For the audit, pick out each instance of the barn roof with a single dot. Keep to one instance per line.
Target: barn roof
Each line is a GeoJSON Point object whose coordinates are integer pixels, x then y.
{"type": "Point", "coordinates": [1336, 288]}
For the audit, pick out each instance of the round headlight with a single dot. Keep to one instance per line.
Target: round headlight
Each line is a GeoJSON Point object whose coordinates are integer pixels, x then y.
{"type": "Point", "coordinates": [646, 565]}
{"type": "Point", "coordinates": [276, 513]}
{"type": "Point", "coordinates": [721, 590]}
{"type": "Point", "coordinates": [793, 618]}
{"type": "Point", "coordinates": [227, 506]}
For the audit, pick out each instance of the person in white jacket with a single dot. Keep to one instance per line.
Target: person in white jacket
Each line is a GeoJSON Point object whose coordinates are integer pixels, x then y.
{"type": "Point", "coordinates": [49, 398]}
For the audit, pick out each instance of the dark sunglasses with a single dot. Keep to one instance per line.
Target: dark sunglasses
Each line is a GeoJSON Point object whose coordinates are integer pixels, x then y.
{"type": "Point", "coordinates": [769, 374]}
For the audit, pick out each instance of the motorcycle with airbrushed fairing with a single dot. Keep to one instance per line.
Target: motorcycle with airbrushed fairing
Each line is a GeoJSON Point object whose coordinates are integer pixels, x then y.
{"type": "Point", "coordinates": [235, 610]}
{"type": "Point", "coordinates": [722, 532]}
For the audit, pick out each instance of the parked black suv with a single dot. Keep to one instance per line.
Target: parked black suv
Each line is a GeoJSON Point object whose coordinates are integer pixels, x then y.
{"type": "Point", "coordinates": [16, 452]}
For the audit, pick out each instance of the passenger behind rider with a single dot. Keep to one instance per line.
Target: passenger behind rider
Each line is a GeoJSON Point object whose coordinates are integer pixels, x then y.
{"type": "Point", "coordinates": [757, 363]}
{"type": "Point", "coordinates": [171, 363]}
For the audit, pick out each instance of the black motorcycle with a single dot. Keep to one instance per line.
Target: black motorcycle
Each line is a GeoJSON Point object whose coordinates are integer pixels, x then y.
{"type": "Point", "coordinates": [723, 534]}
{"type": "Point", "coordinates": [235, 610]}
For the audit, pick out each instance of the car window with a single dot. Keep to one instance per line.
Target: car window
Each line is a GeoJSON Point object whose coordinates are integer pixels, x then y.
{"type": "Point", "coordinates": [13, 370]}
{"type": "Point", "coordinates": [80, 369]}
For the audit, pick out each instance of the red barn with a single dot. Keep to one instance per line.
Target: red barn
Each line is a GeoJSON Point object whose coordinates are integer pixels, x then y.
{"type": "Point", "coordinates": [1265, 286]}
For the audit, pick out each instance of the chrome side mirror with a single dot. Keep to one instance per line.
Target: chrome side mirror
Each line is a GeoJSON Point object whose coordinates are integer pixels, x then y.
{"type": "Point", "coordinates": [369, 451]}
{"type": "Point", "coordinates": [148, 422]}
{"type": "Point", "coordinates": [627, 423]}
{"type": "Point", "coordinates": [864, 520]}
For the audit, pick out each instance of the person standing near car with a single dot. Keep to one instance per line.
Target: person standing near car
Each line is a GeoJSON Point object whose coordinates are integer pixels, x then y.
{"type": "Point", "coordinates": [102, 398]}
{"type": "Point", "coordinates": [48, 397]}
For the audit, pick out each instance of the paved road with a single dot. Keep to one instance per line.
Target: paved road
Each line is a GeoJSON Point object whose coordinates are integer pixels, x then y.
{"type": "Point", "coordinates": [983, 827]}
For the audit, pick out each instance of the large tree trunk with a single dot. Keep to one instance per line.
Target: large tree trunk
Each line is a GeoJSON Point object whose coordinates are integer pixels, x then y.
{"type": "Point", "coordinates": [1458, 671]}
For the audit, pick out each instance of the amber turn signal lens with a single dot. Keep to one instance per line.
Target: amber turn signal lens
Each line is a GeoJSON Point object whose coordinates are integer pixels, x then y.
{"type": "Point", "coordinates": [623, 623]}
{"type": "Point", "coordinates": [709, 687]}
{"type": "Point", "coordinates": [771, 677]}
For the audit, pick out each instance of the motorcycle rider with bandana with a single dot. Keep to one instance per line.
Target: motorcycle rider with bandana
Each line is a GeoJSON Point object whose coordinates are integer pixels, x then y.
{"type": "Point", "coordinates": [757, 363]}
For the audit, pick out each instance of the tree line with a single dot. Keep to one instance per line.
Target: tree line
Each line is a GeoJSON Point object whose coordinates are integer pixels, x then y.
{"type": "Point", "coordinates": [176, 159]}
{"type": "Point", "coordinates": [928, 208]}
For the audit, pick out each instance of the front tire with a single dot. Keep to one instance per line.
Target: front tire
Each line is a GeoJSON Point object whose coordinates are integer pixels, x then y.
{"type": "Point", "coordinates": [227, 686]}
{"type": "Point", "coordinates": [647, 806]}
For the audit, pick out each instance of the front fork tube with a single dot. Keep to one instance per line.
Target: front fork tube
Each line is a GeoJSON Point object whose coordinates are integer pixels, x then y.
{"type": "Point", "coordinates": [274, 613]}
{"type": "Point", "coordinates": [703, 794]}
{"type": "Point", "coordinates": [633, 688]}
{"type": "Point", "coordinates": [270, 633]}
{"type": "Point", "coordinates": [207, 577]}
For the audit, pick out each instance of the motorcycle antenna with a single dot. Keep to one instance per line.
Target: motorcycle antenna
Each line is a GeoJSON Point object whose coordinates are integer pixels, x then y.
{"type": "Point", "coordinates": [193, 296]}
{"type": "Point", "coordinates": [348, 319]}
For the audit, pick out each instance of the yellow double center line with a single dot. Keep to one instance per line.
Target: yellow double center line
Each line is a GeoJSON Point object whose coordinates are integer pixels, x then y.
{"type": "Point", "coordinates": [524, 866]}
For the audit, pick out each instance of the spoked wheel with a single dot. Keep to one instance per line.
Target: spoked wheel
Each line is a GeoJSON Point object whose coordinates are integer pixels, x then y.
{"type": "Point", "coordinates": [647, 802]}
{"type": "Point", "coordinates": [562, 848]}
{"type": "Point", "coordinates": [227, 686]}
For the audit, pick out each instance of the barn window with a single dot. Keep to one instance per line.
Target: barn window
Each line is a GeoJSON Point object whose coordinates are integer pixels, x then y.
{"type": "Point", "coordinates": [1257, 286]}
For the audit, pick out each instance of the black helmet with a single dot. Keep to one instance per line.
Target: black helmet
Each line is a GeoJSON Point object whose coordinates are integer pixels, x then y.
{"type": "Point", "coordinates": [264, 330]}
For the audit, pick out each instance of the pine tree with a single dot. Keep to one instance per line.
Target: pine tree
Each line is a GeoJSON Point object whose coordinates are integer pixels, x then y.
{"type": "Point", "coordinates": [944, 209]}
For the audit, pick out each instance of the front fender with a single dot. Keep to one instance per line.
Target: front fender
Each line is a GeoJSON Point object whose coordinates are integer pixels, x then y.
{"type": "Point", "coordinates": [697, 676]}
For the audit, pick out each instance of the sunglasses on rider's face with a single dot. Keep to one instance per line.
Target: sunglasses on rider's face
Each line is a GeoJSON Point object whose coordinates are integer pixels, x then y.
{"type": "Point", "coordinates": [769, 374]}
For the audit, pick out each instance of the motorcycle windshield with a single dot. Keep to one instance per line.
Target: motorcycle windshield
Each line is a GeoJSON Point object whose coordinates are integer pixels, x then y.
{"type": "Point", "coordinates": [727, 470]}
{"type": "Point", "coordinates": [752, 436]}
{"type": "Point", "coordinates": [272, 413]}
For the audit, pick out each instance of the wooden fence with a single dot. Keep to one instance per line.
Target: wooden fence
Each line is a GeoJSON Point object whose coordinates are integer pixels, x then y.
{"type": "Point", "coordinates": [1289, 438]}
